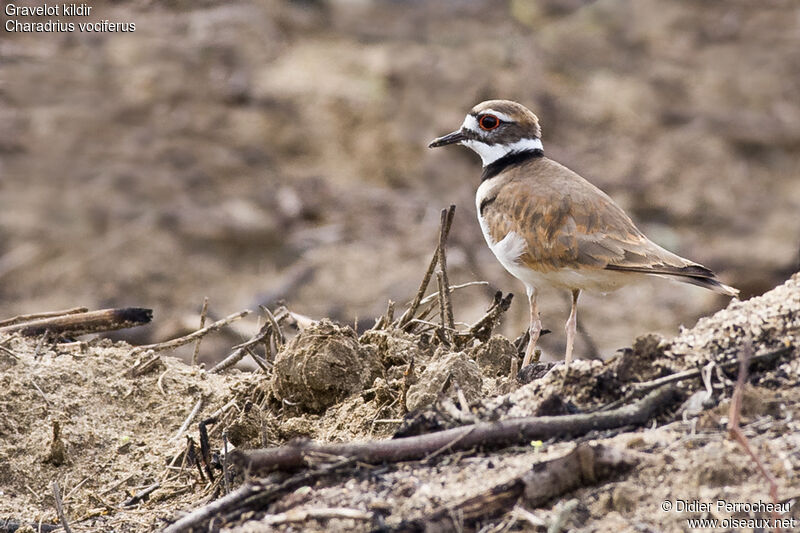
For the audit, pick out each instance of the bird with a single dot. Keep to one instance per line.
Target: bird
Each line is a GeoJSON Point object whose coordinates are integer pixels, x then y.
{"type": "Point", "coordinates": [548, 226]}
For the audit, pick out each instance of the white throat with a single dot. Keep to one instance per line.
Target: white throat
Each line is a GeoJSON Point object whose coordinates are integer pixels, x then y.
{"type": "Point", "coordinates": [492, 152]}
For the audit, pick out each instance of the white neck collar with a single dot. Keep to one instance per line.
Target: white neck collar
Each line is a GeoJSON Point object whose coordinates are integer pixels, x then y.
{"type": "Point", "coordinates": [492, 152]}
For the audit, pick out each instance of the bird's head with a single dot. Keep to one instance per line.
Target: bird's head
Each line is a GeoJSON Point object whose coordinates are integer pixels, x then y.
{"type": "Point", "coordinates": [494, 129]}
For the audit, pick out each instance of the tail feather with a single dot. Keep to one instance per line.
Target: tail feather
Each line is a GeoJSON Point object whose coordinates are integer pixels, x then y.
{"type": "Point", "coordinates": [707, 283]}
{"type": "Point", "coordinates": [694, 274]}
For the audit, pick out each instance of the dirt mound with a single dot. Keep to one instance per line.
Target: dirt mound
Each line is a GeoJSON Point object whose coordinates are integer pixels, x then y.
{"type": "Point", "coordinates": [76, 414]}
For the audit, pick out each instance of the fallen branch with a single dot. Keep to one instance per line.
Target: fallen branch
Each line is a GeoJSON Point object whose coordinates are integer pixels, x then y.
{"type": "Point", "coordinates": [73, 324]}
{"type": "Point", "coordinates": [646, 386]}
{"type": "Point", "coordinates": [48, 314]}
{"type": "Point", "coordinates": [186, 339]}
{"type": "Point", "coordinates": [587, 464]}
{"type": "Point", "coordinates": [252, 495]}
{"type": "Point", "coordinates": [485, 434]}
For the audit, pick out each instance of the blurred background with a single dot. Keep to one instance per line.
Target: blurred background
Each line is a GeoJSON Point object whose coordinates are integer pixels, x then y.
{"type": "Point", "coordinates": [254, 151]}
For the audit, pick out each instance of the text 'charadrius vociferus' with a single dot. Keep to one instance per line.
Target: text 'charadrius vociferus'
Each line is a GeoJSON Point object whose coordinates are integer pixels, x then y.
{"type": "Point", "coordinates": [549, 226]}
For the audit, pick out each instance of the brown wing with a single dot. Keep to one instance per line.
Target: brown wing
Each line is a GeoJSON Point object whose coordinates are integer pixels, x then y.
{"type": "Point", "coordinates": [569, 223]}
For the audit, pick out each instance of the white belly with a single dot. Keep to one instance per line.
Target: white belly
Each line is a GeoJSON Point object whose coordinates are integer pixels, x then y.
{"type": "Point", "coordinates": [509, 249]}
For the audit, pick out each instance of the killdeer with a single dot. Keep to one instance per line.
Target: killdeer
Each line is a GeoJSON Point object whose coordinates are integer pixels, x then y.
{"type": "Point", "coordinates": [549, 226]}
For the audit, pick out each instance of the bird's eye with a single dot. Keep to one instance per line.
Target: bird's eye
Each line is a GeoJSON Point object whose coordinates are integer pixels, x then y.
{"type": "Point", "coordinates": [488, 122]}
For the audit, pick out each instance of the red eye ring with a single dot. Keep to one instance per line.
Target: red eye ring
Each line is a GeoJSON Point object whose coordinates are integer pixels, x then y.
{"type": "Point", "coordinates": [488, 122]}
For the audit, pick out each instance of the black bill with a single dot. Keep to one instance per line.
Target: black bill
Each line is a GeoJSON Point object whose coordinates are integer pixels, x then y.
{"type": "Point", "coordinates": [450, 138]}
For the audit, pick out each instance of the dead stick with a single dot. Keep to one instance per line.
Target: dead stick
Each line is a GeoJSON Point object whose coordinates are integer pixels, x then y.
{"type": "Point", "coordinates": [48, 314]}
{"type": "Point", "coordinates": [203, 313]}
{"type": "Point", "coordinates": [409, 313]}
{"type": "Point", "coordinates": [257, 492]}
{"type": "Point", "coordinates": [585, 465]}
{"type": "Point", "coordinates": [83, 323]}
{"type": "Point", "coordinates": [60, 506]}
{"type": "Point", "coordinates": [735, 430]}
{"type": "Point", "coordinates": [446, 220]}
{"type": "Point", "coordinates": [141, 495]}
{"type": "Point", "coordinates": [645, 386]}
{"type": "Point", "coordinates": [188, 420]}
{"type": "Point", "coordinates": [489, 434]}
{"type": "Point", "coordinates": [241, 350]}
{"type": "Point", "coordinates": [186, 339]}
{"type": "Point", "coordinates": [445, 329]}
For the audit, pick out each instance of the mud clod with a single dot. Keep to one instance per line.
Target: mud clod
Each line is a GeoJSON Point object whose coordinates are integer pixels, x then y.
{"type": "Point", "coordinates": [322, 366]}
{"type": "Point", "coordinates": [494, 356]}
{"type": "Point", "coordinates": [441, 376]}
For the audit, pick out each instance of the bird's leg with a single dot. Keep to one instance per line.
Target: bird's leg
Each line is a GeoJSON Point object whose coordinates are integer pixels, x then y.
{"type": "Point", "coordinates": [571, 326]}
{"type": "Point", "coordinates": [535, 327]}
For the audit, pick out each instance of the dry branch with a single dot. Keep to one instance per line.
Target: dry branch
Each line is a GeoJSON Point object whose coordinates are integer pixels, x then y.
{"type": "Point", "coordinates": [251, 496]}
{"type": "Point", "coordinates": [486, 434]}
{"type": "Point", "coordinates": [587, 464]}
{"type": "Point", "coordinates": [444, 231]}
{"type": "Point", "coordinates": [73, 323]}
{"type": "Point", "coordinates": [186, 339]}
{"type": "Point", "coordinates": [646, 386]}
{"type": "Point", "coordinates": [49, 314]}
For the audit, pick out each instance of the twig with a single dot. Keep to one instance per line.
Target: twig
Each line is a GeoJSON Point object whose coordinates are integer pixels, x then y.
{"type": "Point", "coordinates": [225, 462]}
{"type": "Point", "coordinates": [8, 351]}
{"type": "Point", "coordinates": [203, 313]}
{"type": "Point", "coordinates": [645, 386]}
{"type": "Point", "coordinates": [48, 314]}
{"type": "Point", "coordinates": [186, 339]}
{"type": "Point", "coordinates": [444, 330]}
{"type": "Point", "coordinates": [42, 340]}
{"type": "Point", "coordinates": [446, 220]}
{"type": "Point", "coordinates": [735, 431]}
{"type": "Point", "coordinates": [482, 329]}
{"type": "Point", "coordinates": [117, 484]}
{"type": "Point", "coordinates": [145, 366]}
{"type": "Point", "coordinates": [431, 297]}
{"type": "Point", "coordinates": [60, 506]}
{"type": "Point", "coordinates": [141, 495]}
{"type": "Point", "coordinates": [303, 515]}
{"type": "Point", "coordinates": [486, 434]}
{"type": "Point", "coordinates": [444, 230]}
{"type": "Point", "coordinates": [44, 397]}
{"type": "Point", "coordinates": [188, 420]}
{"type": "Point", "coordinates": [585, 465]}
{"type": "Point", "coordinates": [82, 323]}
{"type": "Point", "coordinates": [239, 351]}
{"type": "Point", "coordinates": [252, 494]}
{"type": "Point", "coordinates": [273, 320]}
{"type": "Point", "coordinates": [76, 487]}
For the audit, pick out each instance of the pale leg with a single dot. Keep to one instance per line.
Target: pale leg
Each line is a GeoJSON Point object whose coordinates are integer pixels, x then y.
{"type": "Point", "coordinates": [535, 327]}
{"type": "Point", "coordinates": [571, 326]}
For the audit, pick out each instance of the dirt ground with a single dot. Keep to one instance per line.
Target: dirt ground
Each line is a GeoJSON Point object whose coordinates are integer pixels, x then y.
{"type": "Point", "coordinates": [119, 433]}
{"type": "Point", "coordinates": [274, 152]}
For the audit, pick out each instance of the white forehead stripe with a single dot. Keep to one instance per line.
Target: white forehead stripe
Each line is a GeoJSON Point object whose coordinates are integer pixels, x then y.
{"type": "Point", "coordinates": [492, 152]}
{"type": "Point", "coordinates": [471, 123]}
{"type": "Point", "coordinates": [498, 114]}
